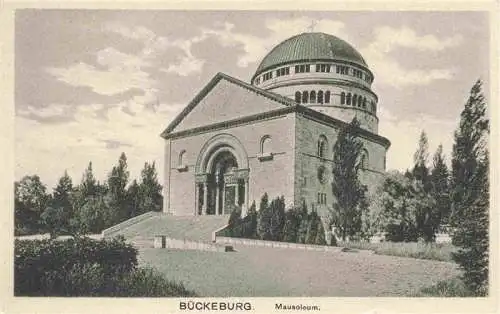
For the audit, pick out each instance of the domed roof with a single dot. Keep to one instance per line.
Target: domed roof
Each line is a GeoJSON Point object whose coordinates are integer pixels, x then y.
{"type": "Point", "coordinates": [311, 46]}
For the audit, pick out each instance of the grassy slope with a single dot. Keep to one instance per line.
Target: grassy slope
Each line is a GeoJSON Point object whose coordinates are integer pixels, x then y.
{"type": "Point", "coordinates": [432, 251]}
{"type": "Point", "coordinates": [255, 271]}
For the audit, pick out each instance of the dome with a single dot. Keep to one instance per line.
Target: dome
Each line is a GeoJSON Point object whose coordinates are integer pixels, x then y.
{"type": "Point", "coordinates": [311, 46]}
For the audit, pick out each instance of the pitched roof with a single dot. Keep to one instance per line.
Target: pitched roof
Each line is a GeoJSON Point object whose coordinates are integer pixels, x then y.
{"type": "Point", "coordinates": [213, 82]}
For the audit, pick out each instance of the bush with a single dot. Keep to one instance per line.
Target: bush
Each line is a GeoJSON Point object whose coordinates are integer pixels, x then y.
{"type": "Point", "coordinates": [147, 282]}
{"type": "Point", "coordinates": [447, 288]}
{"type": "Point", "coordinates": [430, 251]}
{"type": "Point", "coordinates": [85, 267]}
{"type": "Point", "coordinates": [42, 266]}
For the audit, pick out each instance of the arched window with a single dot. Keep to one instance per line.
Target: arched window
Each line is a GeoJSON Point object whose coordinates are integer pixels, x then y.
{"type": "Point", "coordinates": [364, 102]}
{"type": "Point", "coordinates": [364, 159]}
{"type": "Point", "coordinates": [354, 100]}
{"type": "Point", "coordinates": [348, 99]}
{"type": "Point", "coordinates": [265, 145]}
{"type": "Point", "coordinates": [320, 97]}
{"type": "Point", "coordinates": [322, 146]}
{"type": "Point", "coordinates": [327, 97]}
{"type": "Point", "coordinates": [297, 97]}
{"type": "Point", "coordinates": [342, 98]}
{"type": "Point", "coordinates": [312, 97]}
{"type": "Point", "coordinates": [182, 158]}
{"type": "Point", "coordinates": [305, 97]}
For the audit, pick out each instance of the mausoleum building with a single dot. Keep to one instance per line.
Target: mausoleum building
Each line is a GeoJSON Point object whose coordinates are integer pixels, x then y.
{"type": "Point", "coordinates": [236, 141]}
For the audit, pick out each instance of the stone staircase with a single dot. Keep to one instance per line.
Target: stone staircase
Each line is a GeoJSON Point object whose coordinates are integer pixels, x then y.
{"type": "Point", "coordinates": [141, 231]}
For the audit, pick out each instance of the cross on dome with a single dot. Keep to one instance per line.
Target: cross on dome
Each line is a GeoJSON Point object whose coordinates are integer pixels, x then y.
{"type": "Point", "coordinates": [312, 26]}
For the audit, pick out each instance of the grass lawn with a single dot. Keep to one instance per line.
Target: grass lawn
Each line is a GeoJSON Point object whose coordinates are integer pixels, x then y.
{"type": "Point", "coordinates": [261, 271]}
{"type": "Point", "coordinates": [432, 251]}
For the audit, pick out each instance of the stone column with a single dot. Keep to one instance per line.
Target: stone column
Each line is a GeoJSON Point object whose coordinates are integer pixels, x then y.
{"type": "Point", "coordinates": [204, 208]}
{"type": "Point", "coordinates": [196, 198]}
{"type": "Point", "coordinates": [237, 193]}
{"type": "Point", "coordinates": [245, 202]}
{"type": "Point", "coordinates": [217, 191]}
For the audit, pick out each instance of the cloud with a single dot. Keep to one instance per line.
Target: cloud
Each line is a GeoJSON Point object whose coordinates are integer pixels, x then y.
{"type": "Point", "coordinates": [137, 32]}
{"type": "Point", "coordinates": [48, 149]}
{"type": "Point", "coordinates": [54, 113]}
{"type": "Point", "coordinates": [390, 72]}
{"type": "Point", "coordinates": [113, 144]}
{"type": "Point", "coordinates": [255, 48]}
{"type": "Point", "coordinates": [404, 134]}
{"type": "Point", "coordinates": [109, 82]}
{"type": "Point", "coordinates": [154, 46]}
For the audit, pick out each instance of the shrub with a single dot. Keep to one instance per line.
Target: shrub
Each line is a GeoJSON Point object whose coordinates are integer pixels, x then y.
{"type": "Point", "coordinates": [42, 266]}
{"type": "Point", "coordinates": [146, 282]}
{"type": "Point", "coordinates": [448, 288]}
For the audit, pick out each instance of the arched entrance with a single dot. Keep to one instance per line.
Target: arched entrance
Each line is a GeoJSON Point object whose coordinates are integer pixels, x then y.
{"type": "Point", "coordinates": [221, 177]}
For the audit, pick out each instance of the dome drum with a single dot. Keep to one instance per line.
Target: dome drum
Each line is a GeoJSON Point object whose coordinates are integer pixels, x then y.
{"type": "Point", "coordinates": [303, 72]}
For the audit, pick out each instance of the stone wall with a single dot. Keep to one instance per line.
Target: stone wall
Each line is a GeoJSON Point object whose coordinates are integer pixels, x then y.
{"type": "Point", "coordinates": [274, 176]}
{"type": "Point", "coordinates": [307, 183]}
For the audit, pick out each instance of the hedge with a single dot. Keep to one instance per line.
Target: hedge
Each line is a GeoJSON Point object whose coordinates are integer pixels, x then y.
{"type": "Point", "coordinates": [47, 267]}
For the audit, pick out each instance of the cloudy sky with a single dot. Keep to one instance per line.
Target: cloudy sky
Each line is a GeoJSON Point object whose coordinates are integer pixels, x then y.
{"type": "Point", "coordinates": [93, 84]}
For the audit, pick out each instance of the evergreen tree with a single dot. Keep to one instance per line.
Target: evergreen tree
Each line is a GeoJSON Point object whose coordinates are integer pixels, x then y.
{"type": "Point", "coordinates": [303, 224]}
{"type": "Point", "coordinates": [292, 224]}
{"type": "Point", "coordinates": [346, 187]}
{"type": "Point", "coordinates": [250, 226]}
{"type": "Point", "coordinates": [312, 227]}
{"type": "Point", "coordinates": [440, 189]}
{"type": "Point", "coordinates": [88, 186]}
{"type": "Point", "coordinates": [61, 203]}
{"type": "Point", "coordinates": [134, 200]}
{"type": "Point", "coordinates": [471, 236]}
{"type": "Point", "coordinates": [320, 234]}
{"type": "Point", "coordinates": [470, 192]}
{"type": "Point", "coordinates": [426, 214]}
{"type": "Point", "coordinates": [264, 222]}
{"type": "Point", "coordinates": [277, 221]}
{"type": "Point", "coordinates": [117, 196]}
{"type": "Point", "coordinates": [150, 189]}
{"type": "Point", "coordinates": [468, 151]}
{"type": "Point", "coordinates": [420, 171]}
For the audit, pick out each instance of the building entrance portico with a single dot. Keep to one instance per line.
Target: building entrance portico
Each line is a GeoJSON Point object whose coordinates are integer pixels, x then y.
{"type": "Point", "coordinates": [221, 182]}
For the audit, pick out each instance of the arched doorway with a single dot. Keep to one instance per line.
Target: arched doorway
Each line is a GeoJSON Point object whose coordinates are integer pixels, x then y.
{"type": "Point", "coordinates": [222, 176]}
{"type": "Point", "coordinates": [225, 188]}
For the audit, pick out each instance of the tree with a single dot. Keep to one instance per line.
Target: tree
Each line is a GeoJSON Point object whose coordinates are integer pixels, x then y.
{"type": "Point", "coordinates": [134, 200]}
{"type": "Point", "coordinates": [440, 189]}
{"type": "Point", "coordinates": [425, 215]}
{"type": "Point", "coordinates": [420, 171]}
{"type": "Point", "coordinates": [470, 192]}
{"type": "Point", "coordinates": [303, 224]}
{"type": "Point", "coordinates": [250, 223]}
{"type": "Point", "coordinates": [394, 207]}
{"type": "Point", "coordinates": [55, 221]}
{"type": "Point", "coordinates": [62, 209]}
{"type": "Point", "coordinates": [277, 219]}
{"type": "Point", "coordinates": [31, 200]}
{"type": "Point", "coordinates": [150, 189]}
{"type": "Point", "coordinates": [347, 189]}
{"type": "Point", "coordinates": [468, 150]}
{"type": "Point", "coordinates": [313, 222]}
{"type": "Point", "coordinates": [90, 217]}
{"type": "Point", "coordinates": [264, 222]}
{"type": "Point", "coordinates": [117, 196]}
{"type": "Point", "coordinates": [88, 186]}
{"type": "Point", "coordinates": [292, 224]}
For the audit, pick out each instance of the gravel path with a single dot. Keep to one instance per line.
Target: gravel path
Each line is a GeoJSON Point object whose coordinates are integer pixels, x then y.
{"type": "Point", "coordinates": [260, 272]}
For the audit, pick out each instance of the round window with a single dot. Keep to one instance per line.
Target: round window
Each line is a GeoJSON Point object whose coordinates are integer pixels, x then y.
{"type": "Point", "coordinates": [322, 174]}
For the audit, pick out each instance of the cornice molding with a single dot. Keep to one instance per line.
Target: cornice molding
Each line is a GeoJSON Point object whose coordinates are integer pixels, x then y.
{"type": "Point", "coordinates": [304, 111]}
